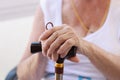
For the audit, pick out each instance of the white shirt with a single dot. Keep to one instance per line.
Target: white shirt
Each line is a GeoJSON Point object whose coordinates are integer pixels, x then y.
{"type": "Point", "coordinates": [107, 38]}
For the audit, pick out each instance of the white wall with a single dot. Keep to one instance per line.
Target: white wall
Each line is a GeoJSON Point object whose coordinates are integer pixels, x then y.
{"type": "Point", "coordinates": [10, 9]}
{"type": "Point", "coordinates": [16, 19]}
{"type": "Point", "coordinates": [14, 35]}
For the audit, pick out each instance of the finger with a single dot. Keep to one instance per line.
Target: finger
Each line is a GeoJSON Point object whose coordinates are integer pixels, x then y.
{"type": "Point", "coordinates": [64, 49]}
{"type": "Point", "coordinates": [58, 42]}
{"type": "Point", "coordinates": [64, 53]}
{"type": "Point", "coordinates": [50, 41]}
{"type": "Point", "coordinates": [49, 32]}
{"type": "Point", "coordinates": [74, 59]}
{"type": "Point", "coordinates": [47, 44]}
{"type": "Point", "coordinates": [54, 56]}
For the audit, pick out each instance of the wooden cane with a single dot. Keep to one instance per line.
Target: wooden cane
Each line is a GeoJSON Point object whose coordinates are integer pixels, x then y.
{"type": "Point", "coordinates": [59, 65]}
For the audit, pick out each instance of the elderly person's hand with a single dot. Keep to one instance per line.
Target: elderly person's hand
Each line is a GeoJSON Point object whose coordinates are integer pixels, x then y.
{"type": "Point", "coordinates": [58, 41]}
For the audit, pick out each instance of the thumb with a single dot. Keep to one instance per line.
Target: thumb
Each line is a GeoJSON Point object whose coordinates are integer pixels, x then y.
{"type": "Point", "coordinates": [74, 59]}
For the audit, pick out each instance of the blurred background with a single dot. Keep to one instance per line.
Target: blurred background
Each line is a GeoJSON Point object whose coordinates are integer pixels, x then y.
{"type": "Point", "coordinates": [16, 20]}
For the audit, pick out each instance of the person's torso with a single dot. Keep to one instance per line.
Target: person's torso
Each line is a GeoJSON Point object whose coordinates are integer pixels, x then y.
{"type": "Point", "coordinates": [106, 37]}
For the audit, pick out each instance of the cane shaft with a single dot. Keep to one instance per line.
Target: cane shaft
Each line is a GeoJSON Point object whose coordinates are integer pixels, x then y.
{"type": "Point", "coordinates": [59, 71]}
{"type": "Point", "coordinates": [58, 76]}
{"type": "Point", "coordinates": [37, 47]}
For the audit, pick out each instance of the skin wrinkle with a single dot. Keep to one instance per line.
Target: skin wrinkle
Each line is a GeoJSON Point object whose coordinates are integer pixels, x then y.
{"type": "Point", "coordinates": [56, 34]}
{"type": "Point", "coordinates": [68, 41]}
{"type": "Point", "coordinates": [53, 37]}
{"type": "Point", "coordinates": [50, 31]}
{"type": "Point", "coordinates": [59, 41]}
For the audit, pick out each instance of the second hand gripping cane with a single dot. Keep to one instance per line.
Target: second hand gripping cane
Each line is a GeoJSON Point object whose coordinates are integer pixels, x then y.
{"type": "Point", "coordinates": [59, 65]}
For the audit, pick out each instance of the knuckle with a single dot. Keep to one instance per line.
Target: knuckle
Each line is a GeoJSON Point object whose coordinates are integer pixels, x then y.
{"type": "Point", "coordinates": [71, 34]}
{"type": "Point", "coordinates": [55, 33]}
{"type": "Point", "coordinates": [52, 46]}
{"type": "Point", "coordinates": [69, 42]}
{"type": "Point", "coordinates": [47, 43]}
{"type": "Point", "coordinates": [61, 38]}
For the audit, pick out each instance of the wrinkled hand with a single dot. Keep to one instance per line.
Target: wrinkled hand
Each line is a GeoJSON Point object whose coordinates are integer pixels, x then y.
{"type": "Point", "coordinates": [58, 41]}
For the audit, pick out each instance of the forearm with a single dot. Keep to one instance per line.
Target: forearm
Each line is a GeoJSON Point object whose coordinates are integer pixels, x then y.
{"type": "Point", "coordinates": [32, 68]}
{"type": "Point", "coordinates": [106, 62]}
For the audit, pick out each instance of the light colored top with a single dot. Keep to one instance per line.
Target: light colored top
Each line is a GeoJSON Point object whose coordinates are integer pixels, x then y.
{"type": "Point", "coordinates": [107, 37]}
